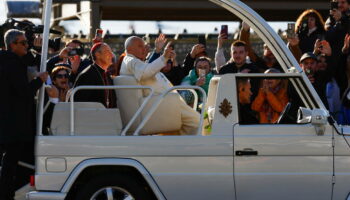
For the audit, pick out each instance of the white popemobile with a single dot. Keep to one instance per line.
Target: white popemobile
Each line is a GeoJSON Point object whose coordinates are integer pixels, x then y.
{"type": "Point", "coordinates": [99, 153]}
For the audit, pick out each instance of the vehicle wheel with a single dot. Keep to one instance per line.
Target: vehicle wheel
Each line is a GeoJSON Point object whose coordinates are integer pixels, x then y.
{"type": "Point", "coordinates": [113, 187]}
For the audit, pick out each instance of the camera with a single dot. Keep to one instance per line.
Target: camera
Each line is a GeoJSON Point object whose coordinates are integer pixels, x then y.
{"type": "Point", "coordinates": [30, 29]}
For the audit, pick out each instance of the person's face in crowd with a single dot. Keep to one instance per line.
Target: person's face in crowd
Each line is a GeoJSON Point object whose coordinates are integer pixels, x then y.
{"type": "Point", "coordinates": [20, 46]}
{"type": "Point", "coordinates": [321, 63]}
{"type": "Point", "coordinates": [308, 64]}
{"type": "Point", "coordinates": [61, 79]}
{"type": "Point", "coordinates": [343, 5]}
{"type": "Point", "coordinates": [239, 54]}
{"type": "Point", "coordinates": [273, 83]}
{"type": "Point", "coordinates": [311, 22]}
{"type": "Point", "coordinates": [104, 56]}
{"type": "Point", "coordinates": [138, 49]}
{"type": "Point", "coordinates": [202, 65]}
{"type": "Point", "coordinates": [269, 58]}
{"type": "Point", "coordinates": [244, 93]}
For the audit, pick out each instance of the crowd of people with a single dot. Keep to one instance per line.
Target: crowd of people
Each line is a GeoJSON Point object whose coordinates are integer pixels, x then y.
{"type": "Point", "coordinates": [322, 49]}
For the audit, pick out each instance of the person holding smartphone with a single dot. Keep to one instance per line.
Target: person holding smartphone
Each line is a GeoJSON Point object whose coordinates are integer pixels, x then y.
{"type": "Point", "coordinates": [267, 61]}
{"type": "Point", "coordinates": [308, 28]}
{"type": "Point", "coordinates": [73, 57]}
{"type": "Point", "coordinates": [200, 76]}
{"type": "Point", "coordinates": [338, 24]}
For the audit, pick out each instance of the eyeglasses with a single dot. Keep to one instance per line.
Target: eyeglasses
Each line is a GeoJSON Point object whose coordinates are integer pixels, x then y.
{"type": "Point", "coordinates": [23, 42]}
{"type": "Point", "coordinates": [61, 76]}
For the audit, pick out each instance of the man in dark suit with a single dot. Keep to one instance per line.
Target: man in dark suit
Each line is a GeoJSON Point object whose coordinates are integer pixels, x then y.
{"type": "Point", "coordinates": [96, 75]}
{"type": "Point", "coordinates": [16, 106]}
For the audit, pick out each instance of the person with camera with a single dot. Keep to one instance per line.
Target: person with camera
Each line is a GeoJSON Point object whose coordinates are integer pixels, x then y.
{"type": "Point", "coordinates": [71, 55]}
{"type": "Point", "coordinates": [338, 24]}
{"type": "Point", "coordinates": [16, 108]}
{"type": "Point", "coordinates": [200, 76]}
{"type": "Point", "coordinates": [308, 28]}
{"type": "Point", "coordinates": [149, 74]}
{"type": "Point", "coordinates": [319, 77]}
{"type": "Point", "coordinates": [267, 61]}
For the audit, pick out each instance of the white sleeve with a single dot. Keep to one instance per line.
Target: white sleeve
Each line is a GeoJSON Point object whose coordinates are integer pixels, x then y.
{"type": "Point", "coordinates": [220, 59]}
{"type": "Point", "coordinates": [142, 70]}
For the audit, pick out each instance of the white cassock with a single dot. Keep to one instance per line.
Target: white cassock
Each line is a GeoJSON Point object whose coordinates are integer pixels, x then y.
{"type": "Point", "coordinates": [148, 74]}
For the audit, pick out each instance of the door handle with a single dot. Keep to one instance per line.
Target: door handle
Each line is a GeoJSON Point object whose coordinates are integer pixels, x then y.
{"type": "Point", "coordinates": [246, 152]}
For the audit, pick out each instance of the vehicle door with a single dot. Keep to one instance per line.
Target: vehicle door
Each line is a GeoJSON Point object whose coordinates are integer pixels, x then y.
{"type": "Point", "coordinates": [281, 161]}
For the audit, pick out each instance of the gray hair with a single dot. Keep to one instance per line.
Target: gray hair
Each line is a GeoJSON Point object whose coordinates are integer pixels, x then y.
{"type": "Point", "coordinates": [11, 36]}
{"type": "Point", "coordinates": [130, 41]}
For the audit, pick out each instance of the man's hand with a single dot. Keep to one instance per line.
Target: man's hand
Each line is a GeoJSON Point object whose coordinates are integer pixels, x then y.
{"type": "Point", "coordinates": [74, 63]}
{"type": "Point", "coordinates": [336, 14]}
{"type": "Point", "coordinates": [168, 52]}
{"type": "Point", "coordinates": [38, 41]}
{"type": "Point", "coordinates": [293, 41]}
{"type": "Point", "coordinates": [221, 39]}
{"type": "Point", "coordinates": [52, 91]}
{"type": "Point", "coordinates": [173, 59]}
{"type": "Point", "coordinates": [325, 48]}
{"type": "Point", "coordinates": [160, 42]}
{"type": "Point", "coordinates": [346, 46]}
{"type": "Point", "coordinates": [245, 26]}
{"type": "Point", "coordinates": [197, 49]}
{"type": "Point", "coordinates": [43, 76]}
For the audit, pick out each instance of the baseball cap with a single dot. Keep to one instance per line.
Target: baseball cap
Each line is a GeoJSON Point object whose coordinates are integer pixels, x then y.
{"type": "Point", "coordinates": [308, 55]}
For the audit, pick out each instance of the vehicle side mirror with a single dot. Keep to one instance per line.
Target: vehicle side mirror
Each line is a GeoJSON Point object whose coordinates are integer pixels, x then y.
{"type": "Point", "coordinates": [316, 117]}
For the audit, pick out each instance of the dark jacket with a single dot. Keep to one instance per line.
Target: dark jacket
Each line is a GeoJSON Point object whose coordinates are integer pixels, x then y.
{"type": "Point", "coordinates": [336, 32]}
{"type": "Point", "coordinates": [94, 75]}
{"type": "Point", "coordinates": [232, 68]}
{"type": "Point", "coordinates": [17, 99]}
{"type": "Point", "coordinates": [307, 42]}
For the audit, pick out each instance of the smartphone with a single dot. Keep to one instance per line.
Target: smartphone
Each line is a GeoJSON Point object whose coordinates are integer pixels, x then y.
{"type": "Point", "coordinates": [290, 30]}
{"type": "Point", "coordinates": [98, 33]}
{"type": "Point", "coordinates": [201, 73]}
{"type": "Point", "coordinates": [201, 40]}
{"type": "Point", "coordinates": [172, 45]}
{"type": "Point", "coordinates": [224, 30]}
{"type": "Point", "coordinates": [334, 5]}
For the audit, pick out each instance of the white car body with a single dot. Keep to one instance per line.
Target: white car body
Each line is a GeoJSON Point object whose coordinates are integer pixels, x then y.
{"type": "Point", "coordinates": [293, 162]}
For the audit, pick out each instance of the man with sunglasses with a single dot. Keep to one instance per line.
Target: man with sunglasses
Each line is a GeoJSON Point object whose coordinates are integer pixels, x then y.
{"type": "Point", "coordinates": [16, 109]}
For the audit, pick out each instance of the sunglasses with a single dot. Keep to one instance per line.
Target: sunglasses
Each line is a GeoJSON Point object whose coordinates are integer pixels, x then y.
{"type": "Point", "coordinates": [23, 42]}
{"type": "Point", "coordinates": [61, 76]}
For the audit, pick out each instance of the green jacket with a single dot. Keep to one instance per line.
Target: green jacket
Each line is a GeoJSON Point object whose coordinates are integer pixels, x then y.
{"type": "Point", "coordinates": [192, 77]}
